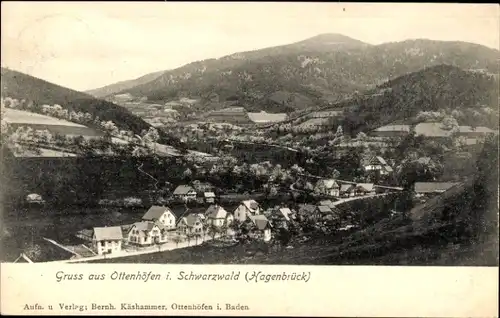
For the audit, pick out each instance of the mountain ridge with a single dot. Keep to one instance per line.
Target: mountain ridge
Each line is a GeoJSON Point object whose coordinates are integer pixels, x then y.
{"type": "Point", "coordinates": [309, 70]}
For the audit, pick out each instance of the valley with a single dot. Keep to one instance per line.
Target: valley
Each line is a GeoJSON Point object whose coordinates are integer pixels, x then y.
{"type": "Point", "coordinates": [322, 151]}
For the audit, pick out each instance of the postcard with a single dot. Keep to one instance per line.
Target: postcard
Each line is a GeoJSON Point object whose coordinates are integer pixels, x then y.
{"type": "Point", "coordinates": [249, 159]}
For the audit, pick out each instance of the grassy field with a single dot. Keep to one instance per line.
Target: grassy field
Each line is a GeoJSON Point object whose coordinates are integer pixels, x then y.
{"type": "Point", "coordinates": [15, 116]}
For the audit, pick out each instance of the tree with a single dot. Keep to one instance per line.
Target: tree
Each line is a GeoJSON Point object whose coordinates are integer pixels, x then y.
{"type": "Point", "coordinates": [412, 171]}
{"type": "Point", "coordinates": [151, 137]}
{"type": "Point", "coordinates": [449, 123]}
{"type": "Point", "coordinates": [320, 188]}
{"type": "Point", "coordinates": [176, 239]}
{"type": "Point", "coordinates": [187, 174]}
{"type": "Point", "coordinates": [335, 174]}
{"type": "Point", "coordinates": [213, 230]}
{"type": "Point", "coordinates": [361, 136]}
{"type": "Point", "coordinates": [189, 236]}
{"type": "Point", "coordinates": [339, 133]}
{"type": "Point", "coordinates": [283, 236]}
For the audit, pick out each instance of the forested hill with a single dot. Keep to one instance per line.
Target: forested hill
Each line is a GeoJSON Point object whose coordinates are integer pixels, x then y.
{"type": "Point", "coordinates": [123, 85]}
{"type": "Point", "coordinates": [22, 86]}
{"type": "Point", "coordinates": [472, 98]}
{"type": "Point", "coordinates": [316, 71]}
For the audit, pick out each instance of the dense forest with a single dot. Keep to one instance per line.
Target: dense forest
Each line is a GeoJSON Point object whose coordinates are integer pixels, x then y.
{"type": "Point", "coordinates": [471, 97]}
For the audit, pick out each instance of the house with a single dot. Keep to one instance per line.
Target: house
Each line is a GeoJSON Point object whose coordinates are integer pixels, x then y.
{"type": "Point", "coordinates": [162, 215]}
{"type": "Point", "coordinates": [430, 188]}
{"type": "Point", "coordinates": [328, 187]}
{"type": "Point", "coordinates": [209, 197]}
{"type": "Point", "coordinates": [184, 193]}
{"type": "Point", "coordinates": [262, 227]}
{"type": "Point", "coordinates": [245, 209]}
{"type": "Point", "coordinates": [391, 131]}
{"type": "Point", "coordinates": [34, 198]}
{"type": "Point", "coordinates": [218, 216]}
{"type": "Point", "coordinates": [377, 164]}
{"type": "Point", "coordinates": [191, 224]}
{"type": "Point", "coordinates": [107, 240]}
{"type": "Point", "coordinates": [147, 233]}
{"type": "Point", "coordinates": [199, 186]}
{"type": "Point", "coordinates": [364, 189]}
{"type": "Point", "coordinates": [281, 217]}
{"type": "Point", "coordinates": [322, 211]}
{"type": "Point", "coordinates": [347, 190]}
{"type": "Point", "coordinates": [328, 203]}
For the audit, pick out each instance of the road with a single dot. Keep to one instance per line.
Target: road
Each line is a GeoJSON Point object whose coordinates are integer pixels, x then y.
{"type": "Point", "coordinates": [264, 144]}
{"type": "Point", "coordinates": [130, 252]}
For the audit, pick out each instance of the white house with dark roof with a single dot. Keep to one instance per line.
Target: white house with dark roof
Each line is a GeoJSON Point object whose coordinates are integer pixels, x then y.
{"type": "Point", "coordinates": [191, 224]}
{"type": "Point", "coordinates": [328, 187]}
{"type": "Point", "coordinates": [280, 216]}
{"type": "Point", "coordinates": [364, 189]}
{"type": "Point", "coordinates": [185, 193]}
{"type": "Point", "coordinates": [377, 164]}
{"type": "Point", "coordinates": [322, 211]}
{"type": "Point", "coordinates": [347, 190]}
{"type": "Point", "coordinates": [162, 215]}
{"type": "Point", "coordinates": [107, 240]}
{"type": "Point", "coordinates": [147, 233]}
{"type": "Point", "coordinates": [247, 208]}
{"type": "Point", "coordinates": [218, 216]}
{"type": "Point", "coordinates": [262, 226]}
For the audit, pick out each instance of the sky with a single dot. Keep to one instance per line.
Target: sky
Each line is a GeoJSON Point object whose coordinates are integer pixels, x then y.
{"type": "Point", "coordinates": [83, 45]}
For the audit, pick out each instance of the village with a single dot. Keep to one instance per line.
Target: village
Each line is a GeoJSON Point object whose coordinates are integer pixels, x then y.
{"type": "Point", "coordinates": [204, 218]}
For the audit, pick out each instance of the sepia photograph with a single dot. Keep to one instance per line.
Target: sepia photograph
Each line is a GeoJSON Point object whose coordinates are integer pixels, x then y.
{"type": "Point", "coordinates": [230, 134]}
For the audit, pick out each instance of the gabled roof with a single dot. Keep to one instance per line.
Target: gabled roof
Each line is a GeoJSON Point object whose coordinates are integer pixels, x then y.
{"type": "Point", "coordinates": [108, 233]}
{"type": "Point", "coordinates": [346, 187]}
{"type": "Point", "coordinates": [216, 212]}
{"type": "Point", "coordinates": [324, 209]}
{"type": "Point", "coordinates": [260, 221]}
{"type": "Point", "coordinates": [365, 186]}
{"type": "Point", "coordinates": [330, 183]}
{"type": "Point", "coordinates": [433, 187]}
{"type": "Point", "coordinates": [183, 189]}
{"type": "Point", "coordinates": [155, 212]}
{"type": "Point", "coordinates": [146, 226]}
{"type": "Point", "coordinates": [286, 212]}
{"type": "Point", "coordinates": [381, 160]}
{"type": "Point", "coordinates": [191, 219]}
{"type": "Point", "coordinates": [251, 205]}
